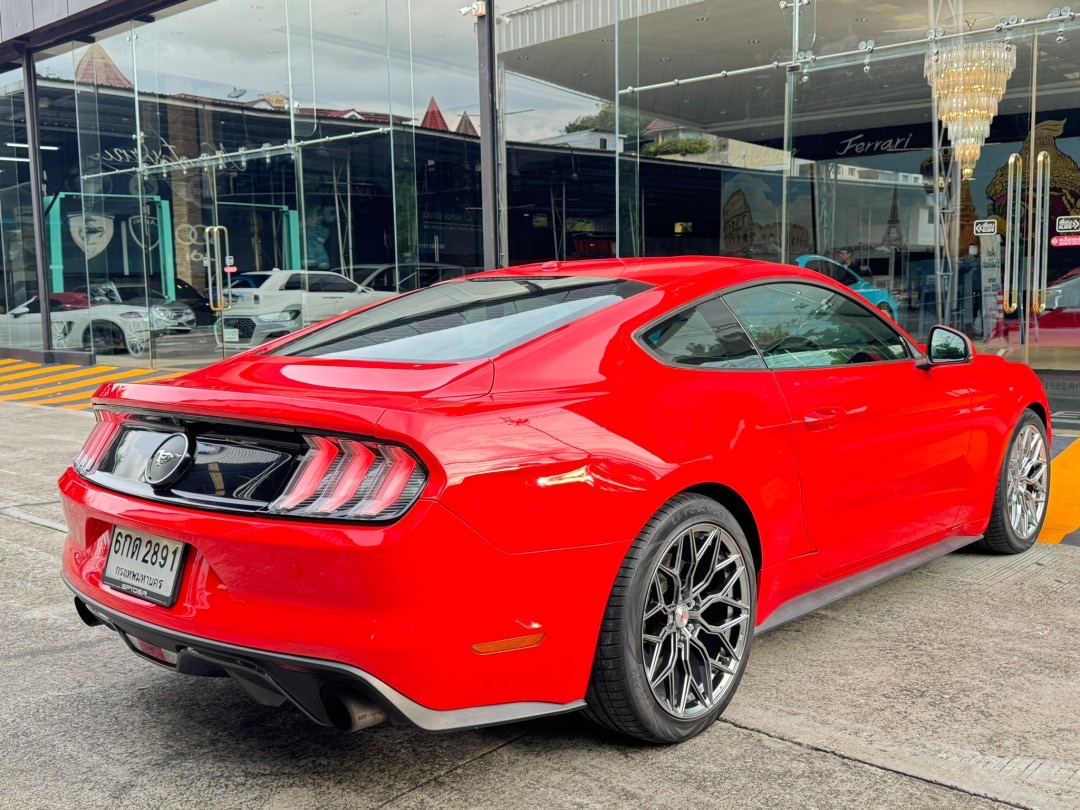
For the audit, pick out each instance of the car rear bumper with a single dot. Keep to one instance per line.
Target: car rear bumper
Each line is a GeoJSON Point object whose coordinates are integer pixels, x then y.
{"type": "Point", "coordinates": [312, 685]}
{"type": "Point", "coordinates": [397, 607]}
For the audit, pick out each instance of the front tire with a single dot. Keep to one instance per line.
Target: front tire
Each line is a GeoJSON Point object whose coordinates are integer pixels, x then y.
{"type": "Point", "coordinates": [676, 634]}
{"type": "Point", "coordinates": [1023, 490]}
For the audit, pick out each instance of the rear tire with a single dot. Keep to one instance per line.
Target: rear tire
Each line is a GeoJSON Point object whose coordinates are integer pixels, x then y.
{"type": "Point", "coordinates": [103, 337]}
{"type": "Point", "coordinates": [1023, 490]}
{"type": "Point", "coordinates": [676, 634]}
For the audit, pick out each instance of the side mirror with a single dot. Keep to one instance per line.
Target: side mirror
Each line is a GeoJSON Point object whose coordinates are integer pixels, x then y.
{"type": "Point", "coordinates": [945, 345]}
{"type": "Point", "coordinates": [18, 312]}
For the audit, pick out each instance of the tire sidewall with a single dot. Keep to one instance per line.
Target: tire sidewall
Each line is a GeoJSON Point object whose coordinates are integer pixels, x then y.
{"type": "Point", "coordinates": [1002, 501]}
{"type": "Point", "coordinates": [658, 721]}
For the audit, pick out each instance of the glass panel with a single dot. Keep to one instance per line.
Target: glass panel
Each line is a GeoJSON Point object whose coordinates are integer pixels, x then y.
{"type": "Point", "coordinates": [1037, 123]}
{"type": "Point", "coordinates": [20, 301]}
{"type": "Point", "coordinates": [219, 179]}
{"type": "Point", "coordinates": [659, 98]}
{"type": "Point", "coordinates": [433, 80]}
{"type": "Point", "coordinates": [86, 108]}
{"type": "Point", "coordinates": [344, 159]}
{"type": "Point", "coordinates": [927, 230]}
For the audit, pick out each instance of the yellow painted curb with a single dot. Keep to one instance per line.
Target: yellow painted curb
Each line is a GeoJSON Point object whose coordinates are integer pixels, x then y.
{"type": "Point", "coordinates": [5, 370]}
{"type": "Point", "coordinates": [89, 383]}
{"type": "Point", "coordinates": [1063, 511]}
{"type": "Point", "coordinates": [25, 380]}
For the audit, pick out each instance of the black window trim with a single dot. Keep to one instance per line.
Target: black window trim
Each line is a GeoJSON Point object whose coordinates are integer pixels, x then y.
{"type": "Point", "coordinates": [638, 335]}
{"type": "Point", "coordinates": [914, 352]}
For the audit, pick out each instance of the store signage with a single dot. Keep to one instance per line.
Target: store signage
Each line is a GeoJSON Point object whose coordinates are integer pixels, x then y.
{"type": "Point", "coordinates": [1072, 240]}
{"type": "Point", "coordinates": [985, 227]}
{"type": "Point", "coordinates": [1068, 224]}
{"type": "Point", "coordinates": [860, 145]}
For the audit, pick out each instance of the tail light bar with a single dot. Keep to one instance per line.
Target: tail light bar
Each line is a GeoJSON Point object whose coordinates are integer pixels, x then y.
{"type": "Point", "coordinates": [335, 477]}
{"type": "Point", "coordinates": [99, 441]}
{"type": "Point", "coordinates": [351, 479]}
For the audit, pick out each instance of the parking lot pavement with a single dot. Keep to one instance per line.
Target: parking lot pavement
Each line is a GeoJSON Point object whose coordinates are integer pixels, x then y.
{"type": "Point", "coordinates": [950, 687]}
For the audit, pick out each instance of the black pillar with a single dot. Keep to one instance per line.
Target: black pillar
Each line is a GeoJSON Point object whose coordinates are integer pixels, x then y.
{"type": "Point", "coordinates": [36, 186]}
{"type": "Point", "coordinates": [489, 140]}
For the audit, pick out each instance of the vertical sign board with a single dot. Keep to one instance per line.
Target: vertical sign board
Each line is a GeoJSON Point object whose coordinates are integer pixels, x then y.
{"type": "Point", "coordinates": [990, 262]}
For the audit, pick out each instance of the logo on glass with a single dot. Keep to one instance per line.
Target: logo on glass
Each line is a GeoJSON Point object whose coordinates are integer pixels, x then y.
{"type": "Point", "coordinates": [168, 462]}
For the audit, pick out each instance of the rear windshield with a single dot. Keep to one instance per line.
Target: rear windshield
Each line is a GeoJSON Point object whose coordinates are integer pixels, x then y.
{"type": "Point", "coordinates": [480, 317]}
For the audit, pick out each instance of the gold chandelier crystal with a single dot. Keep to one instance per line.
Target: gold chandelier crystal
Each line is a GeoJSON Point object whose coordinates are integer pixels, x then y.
{"type": "Point", "coordinates": [968, 82]}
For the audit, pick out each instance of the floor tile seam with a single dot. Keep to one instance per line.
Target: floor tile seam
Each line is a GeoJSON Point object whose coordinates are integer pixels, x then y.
{"type": "Point", "coordinates": [809, 746]}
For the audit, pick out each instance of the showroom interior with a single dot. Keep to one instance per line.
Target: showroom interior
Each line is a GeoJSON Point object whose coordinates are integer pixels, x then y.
{"type": "Point", "coordinates": [152, 153]}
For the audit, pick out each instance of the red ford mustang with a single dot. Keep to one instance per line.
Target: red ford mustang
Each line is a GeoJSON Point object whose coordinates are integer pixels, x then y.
{"type": "Point", "coordinates": [561, 486]}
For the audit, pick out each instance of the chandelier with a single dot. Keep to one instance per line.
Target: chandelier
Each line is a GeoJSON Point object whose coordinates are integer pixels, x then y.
{"type": "Point", "coordinates": [968, 81]}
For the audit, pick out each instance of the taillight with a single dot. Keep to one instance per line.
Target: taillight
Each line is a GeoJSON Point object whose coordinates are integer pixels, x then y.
{"type": "Point", "coordinates": [99, 441]}
{"type": "Point", "coordinates": [346, 478]}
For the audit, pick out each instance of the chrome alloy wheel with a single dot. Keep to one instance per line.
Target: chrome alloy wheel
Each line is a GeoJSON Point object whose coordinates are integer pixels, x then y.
{"type": "Point", "coordinates": [1027, 482]}
{"type": "Point", "coordinates": [696, 621]}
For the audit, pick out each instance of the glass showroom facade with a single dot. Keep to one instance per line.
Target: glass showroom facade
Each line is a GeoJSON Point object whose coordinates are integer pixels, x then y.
{"type": "Point", "coordinates": [184, 148]}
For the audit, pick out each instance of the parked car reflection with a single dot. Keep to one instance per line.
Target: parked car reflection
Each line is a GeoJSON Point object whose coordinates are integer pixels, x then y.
{"type": "Point", "coordinates": [880, 298]}
{"type": "Point", "coordinates": [78, 324]}
{"type": "Point", "coordinates": [1059, 325]}
{"type": "Point", "coordinates": [166, 315]}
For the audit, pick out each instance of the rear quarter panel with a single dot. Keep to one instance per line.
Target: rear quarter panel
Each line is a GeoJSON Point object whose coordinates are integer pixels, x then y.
{"type": "Point", "coordinates": [581, 447]}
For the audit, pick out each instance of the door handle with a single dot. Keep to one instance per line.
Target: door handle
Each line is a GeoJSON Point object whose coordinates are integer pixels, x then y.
{"type": "Point", "coordinates": [1042, 233]}
{"type": "Point", "coordinates": [1010, 277]}
{"type": "Point", "coordinates": [824, 418]}
{"type": "Point", "coordinates": [218, 293]}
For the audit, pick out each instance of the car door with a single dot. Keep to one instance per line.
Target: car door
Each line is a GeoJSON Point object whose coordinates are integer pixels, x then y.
{"type": "Point", "coordinates": [329, 294]}
{"type": "Point", "coordinates": [21, 328]}
{"type": "Point", "coordinates": [881, 444]}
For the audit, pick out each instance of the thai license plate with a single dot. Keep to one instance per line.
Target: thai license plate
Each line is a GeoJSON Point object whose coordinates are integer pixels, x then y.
{"type": "Point", "coordinates": [144, 565]}
{"type": "Point", "coordinates": [232, 335]}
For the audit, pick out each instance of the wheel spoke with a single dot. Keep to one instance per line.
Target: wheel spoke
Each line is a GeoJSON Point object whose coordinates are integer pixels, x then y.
{"type": "Point", "coordinates": [697, 620]}
{"type": "Point", "coordinates": [1026, 481]}
{"type": "Point", "coordinates": [665, 640]}
{"type": "Point", "coordinates": [703, 691]}
{"type": "Point", "coordinates": [684, 695]}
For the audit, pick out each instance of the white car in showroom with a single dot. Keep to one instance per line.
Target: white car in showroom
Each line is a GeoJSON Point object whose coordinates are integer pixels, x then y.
{"type": "Point", "coordinates": [77, 325]}
{"type": "Point", "coordinates": [267, 305]}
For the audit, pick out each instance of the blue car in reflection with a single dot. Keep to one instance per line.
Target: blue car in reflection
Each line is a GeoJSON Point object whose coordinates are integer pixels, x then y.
{"type": "Point", "coordinates": [882, 299]}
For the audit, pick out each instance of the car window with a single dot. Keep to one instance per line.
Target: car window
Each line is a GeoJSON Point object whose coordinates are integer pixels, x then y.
{"type": "Point", "coordinates": [382, 280]}
{"type": "Point", "coordinates": [330, 283]}
{"type": "Point", "coordinates": [245, 282]}
{"type": "Point", "coordinates": [706, 335]}
{"type": "Point", "coordinates": [33, 306]}
{"type": "Point", "coordinates": [463, 320]}
{"type": "Point", "coordinates": [293, 282]}
{"type": "Point", "coordinates": [836, 272]}
{"type": "Point", "coordinates": [1064, 295]}
{"type": "Point", "coordinates": [797, 325]}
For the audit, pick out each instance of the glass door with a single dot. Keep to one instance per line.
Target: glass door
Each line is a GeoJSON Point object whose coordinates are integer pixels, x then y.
{"type": "Point", "coordinates": [953, 200]}
{"type": "Point", "coordinates": [1031, 187]}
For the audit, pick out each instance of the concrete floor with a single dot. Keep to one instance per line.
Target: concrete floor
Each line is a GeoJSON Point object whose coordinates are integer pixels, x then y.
{"type": "Point", "coordinates": [953, 686]}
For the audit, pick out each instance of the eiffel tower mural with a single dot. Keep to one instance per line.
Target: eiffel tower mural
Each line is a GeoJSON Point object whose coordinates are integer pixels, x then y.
{"type": "Point", "coordinates": [894, 236]}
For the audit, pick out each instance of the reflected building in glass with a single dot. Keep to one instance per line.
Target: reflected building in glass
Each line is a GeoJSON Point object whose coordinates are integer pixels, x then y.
{"type": "Point", "coordinates": [153, 153]}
